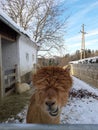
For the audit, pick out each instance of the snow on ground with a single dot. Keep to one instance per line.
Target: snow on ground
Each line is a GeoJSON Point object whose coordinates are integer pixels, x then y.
{"type": "Point", "coordinates": [82, 107]}
{"type": "Point", "coordinates": [78, 84]}
{"type": "Point", "coordinates": [86, 60]}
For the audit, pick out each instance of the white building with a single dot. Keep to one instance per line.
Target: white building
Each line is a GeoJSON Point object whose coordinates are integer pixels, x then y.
{"type": "Point", "coordinates": [18, 54]}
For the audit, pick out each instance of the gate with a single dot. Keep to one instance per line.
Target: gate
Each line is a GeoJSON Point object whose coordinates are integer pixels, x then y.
{"type": "Point", "coordinates": [10, 76]}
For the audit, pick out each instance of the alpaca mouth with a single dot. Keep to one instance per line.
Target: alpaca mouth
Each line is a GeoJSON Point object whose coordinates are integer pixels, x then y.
{"type": "Point", "coordinates": [54, 113]}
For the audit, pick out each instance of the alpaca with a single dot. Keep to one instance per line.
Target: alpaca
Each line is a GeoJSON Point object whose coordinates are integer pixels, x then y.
{"type": "Point", "coordinates": [22, 87]}
{"type": "Point", "coordinates": [52, 85]}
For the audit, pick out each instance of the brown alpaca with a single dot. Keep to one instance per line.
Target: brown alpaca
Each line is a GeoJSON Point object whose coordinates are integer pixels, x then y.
{"type": "Point", "coordinates": [51, 94]}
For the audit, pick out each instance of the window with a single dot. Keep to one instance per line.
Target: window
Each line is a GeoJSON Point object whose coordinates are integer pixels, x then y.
{"type": "Point", "coordinates": [27, 56]}
{"type": "Point", "coordinates": [32, 57]}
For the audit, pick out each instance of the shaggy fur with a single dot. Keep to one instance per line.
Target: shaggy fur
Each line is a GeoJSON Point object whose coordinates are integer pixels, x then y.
{"type": "Point", "coordinates": [22, 87]}
{"type": "Point", "coordinates": [51, 94]}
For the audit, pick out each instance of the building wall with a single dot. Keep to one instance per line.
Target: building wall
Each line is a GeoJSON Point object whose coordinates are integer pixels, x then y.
{"type": "Point", "coordinates": [9, 54]}
{"type": "Point", "coordinates": [86, 72]}
{"type": "Point", "coordinates": [27, 55]}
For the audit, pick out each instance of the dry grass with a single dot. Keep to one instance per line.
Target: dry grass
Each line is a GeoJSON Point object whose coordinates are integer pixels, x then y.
{"type": "Point", "coordinates": [13, 104]}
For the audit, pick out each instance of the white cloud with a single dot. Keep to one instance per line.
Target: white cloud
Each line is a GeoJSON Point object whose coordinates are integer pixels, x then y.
{"type": "Point", "coordinates": [73, 39]}
{"type": "Point", "coordinates": [75, 46]}
{"type": "Point", "coordinates": [92, 33]}
{"type": "Point", "coordinates": [71, 1]}
{"type": "Point", "coordinates": [91, 38]}
{"type": "Point", "coordinates": [74, 43]}
{"type": "Point", "coordinates": [80, 14]}
{"type": "Point", "coordinates": [91, 43]}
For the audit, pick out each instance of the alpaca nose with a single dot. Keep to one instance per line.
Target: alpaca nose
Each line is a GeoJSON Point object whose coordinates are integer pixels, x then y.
{"type": "Point", "coordinates": [50, 103]}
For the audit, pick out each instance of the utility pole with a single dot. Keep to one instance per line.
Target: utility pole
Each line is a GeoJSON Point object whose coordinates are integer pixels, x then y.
{"type": "Point", "coordinates": [82, 53]}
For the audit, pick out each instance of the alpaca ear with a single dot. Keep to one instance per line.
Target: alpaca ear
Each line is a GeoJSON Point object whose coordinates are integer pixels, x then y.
{"type": "Point", "coordinates": [36, 67]}
{"type": "Point", "coordinates": [67, 68]}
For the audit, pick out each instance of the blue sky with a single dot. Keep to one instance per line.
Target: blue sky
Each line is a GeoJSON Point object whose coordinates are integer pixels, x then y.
{"type": "Point", "coordinates": [81, 12]}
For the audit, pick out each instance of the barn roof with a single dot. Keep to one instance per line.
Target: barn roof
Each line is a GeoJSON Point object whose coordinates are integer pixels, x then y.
{"type": "Point", "coordinates": [8, 21]}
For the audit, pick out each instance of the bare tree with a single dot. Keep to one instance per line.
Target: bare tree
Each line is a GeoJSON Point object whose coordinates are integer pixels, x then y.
{"type": "Point", "coordinates": [21, 11]}
{"type": "Point", "coordinates": [43, 19]}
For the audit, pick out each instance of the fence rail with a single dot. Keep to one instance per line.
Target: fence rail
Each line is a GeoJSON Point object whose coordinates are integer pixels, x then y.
{"type": "Point", "coordinates": [10, 79]}
{"type": "Point", "coordinates": [47, 127]}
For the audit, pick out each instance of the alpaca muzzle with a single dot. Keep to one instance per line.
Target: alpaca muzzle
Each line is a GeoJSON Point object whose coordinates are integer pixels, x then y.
{"type": "Point", "coordinates": [55, 112]}
{"type": "Point", "coordinates": [52, 108]}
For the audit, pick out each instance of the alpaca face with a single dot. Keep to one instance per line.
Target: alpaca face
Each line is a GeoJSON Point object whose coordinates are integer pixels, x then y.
{"type": "Point", "coordinates": [51, 105]}
{"type": "Point", "coordinates": [52, 84]}
{"type": "Point", "coordinates": [51, 100]}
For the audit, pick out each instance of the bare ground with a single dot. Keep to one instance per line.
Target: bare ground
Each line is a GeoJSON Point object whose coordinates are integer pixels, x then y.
{"type": "Point", "coordinates": [11, 105]}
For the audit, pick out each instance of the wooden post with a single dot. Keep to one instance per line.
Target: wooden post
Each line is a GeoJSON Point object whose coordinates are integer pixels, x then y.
{"type": "Point", "coordinates": [1, 73]}
{"type": "Point", "coordinates": [16, 73]}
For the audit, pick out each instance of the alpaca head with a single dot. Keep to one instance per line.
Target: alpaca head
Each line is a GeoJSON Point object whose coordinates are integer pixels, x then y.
{"type": "Point", "coordinates": [52, 88]}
